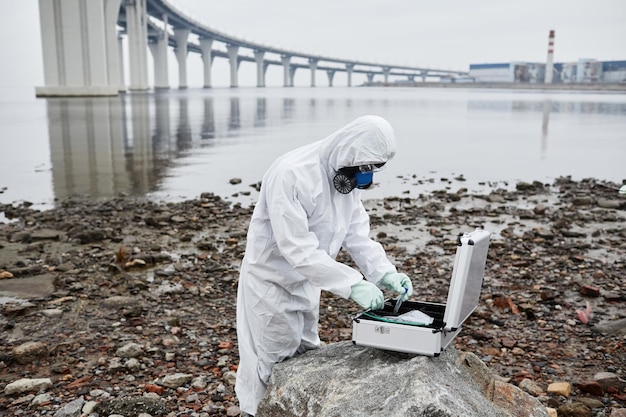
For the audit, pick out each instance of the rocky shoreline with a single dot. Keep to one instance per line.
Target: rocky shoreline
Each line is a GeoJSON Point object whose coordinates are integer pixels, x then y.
{"type": "Point", "coordinates": [125, 306]}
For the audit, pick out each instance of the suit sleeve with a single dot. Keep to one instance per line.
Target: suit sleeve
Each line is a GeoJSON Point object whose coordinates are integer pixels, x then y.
{"type": "Point", "coordinates": [299, 246]}
{"type": "Point", "coordinates": [368, 254]}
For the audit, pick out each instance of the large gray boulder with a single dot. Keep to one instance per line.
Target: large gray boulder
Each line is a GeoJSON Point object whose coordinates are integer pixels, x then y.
{"type": "Point", "coordinates": [342, 379]}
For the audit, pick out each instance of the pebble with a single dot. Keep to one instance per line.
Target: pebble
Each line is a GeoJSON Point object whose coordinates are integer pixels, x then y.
{"type": "Point", "coordinates": [531, 387]}
{"type": "Point", "coordinates": [29, 352]}
{"type": "Point", "coordinates": [574, 410]}
{"type": "Point", "coordinates": [27, 385]}
{"type": "Point", "coordinates": [52, 313]}
{"type": "Point", "coordinates": [130, 350]}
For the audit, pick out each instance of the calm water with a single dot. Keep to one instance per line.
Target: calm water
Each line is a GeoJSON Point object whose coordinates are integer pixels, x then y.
{"type": "Point", "coordinates": [178, 144]}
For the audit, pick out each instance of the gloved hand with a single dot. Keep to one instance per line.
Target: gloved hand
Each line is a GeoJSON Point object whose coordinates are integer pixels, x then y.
{"type": "Point", "coordinates": [398, 282]}
{"type": "Point", "coordinates": [367, 295]}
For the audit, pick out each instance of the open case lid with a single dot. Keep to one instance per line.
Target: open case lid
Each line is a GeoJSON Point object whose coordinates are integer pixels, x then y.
{"type": "Point", "coordinates": [467, 277]}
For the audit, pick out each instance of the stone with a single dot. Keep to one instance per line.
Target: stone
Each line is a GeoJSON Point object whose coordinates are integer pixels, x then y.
{"type": "Point", "coordinates": [133, 365]}
{"type": "Point", "coordinates": [609, 204]}
{"type": "Point", "coordinates": [45, 234]}
{"type": "Point", "coordinates": [617, 327]}
{"type": "Point", "coordinates": [28, 385]}
{"type": "Point", "coordinates": [23, 400]}
{"type": "Point", "coordinates": [574, 410]}
{"type": "Point", "coordinates": [157, 389]}
{"type": "Point", "coordinates": [589, 291]}
{"type": "Point", "coordinates": [560, 388]}
{"type": "Point", "coordinates": [582, 201]}
{"type": "Point", "coordinates": [130, 350]}
{"type": "Point", "coordinates": [52, 313]}
{"type": "Point", "coordinates": [29, 288]}
{"type": "Point", "coordinates": [591, 387]}
{"type": "Point", "coordinates": [345, 379]}
{"type": "Point", "coordinates": [609, 379]}
{"type": "Point", "coordinates": [72, 409]}
{"type": "Point", "coordinates": [5, 274]}
{"type": "Point", "coordinates": [618, 412]}
{"type": "Point", "coordinates": [117, 301]}
{"type": "Point", "coordinates": [175, 380]}
{"type": "Point", "coordinates": [544, 233]}
{"type": "Point", "coordinates": [515, 401]}
{"type": "Point", "coordinates": [233, 411]}
{"type": "Point", "coordinates": [591, 402]}
{"type": "Point", "coordinates": [229, 377]}
{"type": "Point", "coordinates": [531, 387]}
{"type": "Point", "coordinates": [90, 236]}
{"type": "Point", "coordinates": [552, 412]}
{"type": "Point", "coordinates": [41, 399]}
{"type": "Point", "coordinates": [89, 407]}
{"type": "Point", "coordinates": [481, 375]}
{"type": "Point", "coordinates": [131, 406]}
{"type": "Point", "coordinates": [29, 352]}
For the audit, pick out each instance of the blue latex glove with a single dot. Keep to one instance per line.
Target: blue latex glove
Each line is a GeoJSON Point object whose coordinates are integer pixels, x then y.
{"type": "Point", "coordinates": [398, 282]}
{"type": "Point", "coordinates": [367, 295]}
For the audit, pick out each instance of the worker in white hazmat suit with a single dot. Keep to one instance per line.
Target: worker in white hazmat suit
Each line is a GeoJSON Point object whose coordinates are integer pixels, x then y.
{"type": "Point", "coordinates": [308, 209]}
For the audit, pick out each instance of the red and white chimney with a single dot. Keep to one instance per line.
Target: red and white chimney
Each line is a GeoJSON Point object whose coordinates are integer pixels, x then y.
{"type": "Point", "coordinates": [550, 63]}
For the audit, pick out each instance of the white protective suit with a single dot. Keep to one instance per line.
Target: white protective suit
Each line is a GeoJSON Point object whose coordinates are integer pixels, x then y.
{"type": "Point", "coordinates": [299, 224]}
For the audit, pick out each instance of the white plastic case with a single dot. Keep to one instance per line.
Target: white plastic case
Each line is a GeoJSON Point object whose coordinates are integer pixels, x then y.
{"type": "Point", "coordinates": [370, 328]}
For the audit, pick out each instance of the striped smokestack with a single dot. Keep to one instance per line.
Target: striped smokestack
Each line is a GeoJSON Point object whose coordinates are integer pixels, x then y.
{"type": "Point", "coordinates": [550, 63]}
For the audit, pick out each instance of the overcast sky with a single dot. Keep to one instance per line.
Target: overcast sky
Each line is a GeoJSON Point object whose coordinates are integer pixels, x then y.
{"type": "Point", "coordinates": [439, 34]}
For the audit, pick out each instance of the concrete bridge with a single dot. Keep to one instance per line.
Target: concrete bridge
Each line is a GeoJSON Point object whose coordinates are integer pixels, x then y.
{"type": "Point", "coordinates": [83, 50]}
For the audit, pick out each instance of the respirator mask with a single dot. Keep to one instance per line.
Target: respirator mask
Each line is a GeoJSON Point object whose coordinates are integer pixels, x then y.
{"type": "Point", "coordinates": [349, 178]}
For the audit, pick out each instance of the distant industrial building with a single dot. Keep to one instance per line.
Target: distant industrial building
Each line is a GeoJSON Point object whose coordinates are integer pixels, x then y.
{"type": "Point", "coordinates": [583, 71]}
{"type": "Point", "coordinates": [589, 71]}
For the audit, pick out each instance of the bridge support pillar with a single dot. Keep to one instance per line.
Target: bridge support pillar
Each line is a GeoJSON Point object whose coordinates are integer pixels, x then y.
{"type": "Point", "coordinates": [313, 66]}
{"type": "Point", "coordinates": [292, 75]}
{"type": "Point", "coordinates": [370, 77]}
{"type": "Point", "coordinates": [349, 69]}
{"type": "Point", "coordinates": [424, 74]}
{"type": "Point", "coordinates": [207, 59]}
{"type": "Point", "coordinates": [181, 36]}
{"type": "Point", "coordinates": [158, 49]}
{"type": "Point", "coordinates": [233, 57]}
{"type": "Point", "coordinates": [136, 25]}
{"type": "Point", "coordinates": [331, 74]}
{"type": "Point", "coordinates": [79, 47]}
{"type": "Point", "coordinates": [114, 67]}
{"type": "Point", "coordinates": [285, 59]}
{"type": "Point", "coordinates": [386, 71]}
{"type": "Point", "coordinates": [260, 68]}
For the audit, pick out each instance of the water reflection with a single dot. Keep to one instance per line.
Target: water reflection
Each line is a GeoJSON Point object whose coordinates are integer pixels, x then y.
{"type": "Point", "coordinates": [208, 123]}
{"type": "Point", "coordinates": [547, 104]}
{"type": "Point", "coordinates": [184, 140]}
{"type": "Point", "coordinates": [234, 121]}
{"type": "Point", "coordinates": [261, 112]}
{"type": "Point", "coordinates": [136, 143]}
{"type": "Point", "coordinates": [546, 107]}
{"type": "Point", "coordinates": [105, 146]}
{"type": "Point", "coordinates": [88, 147]}
{"type": "Point", "coordinates": [555, 107]}
{"type": "Point", "coordinates": [102, 147]}
{"type": "Point", "coordinates": [288, 108]}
